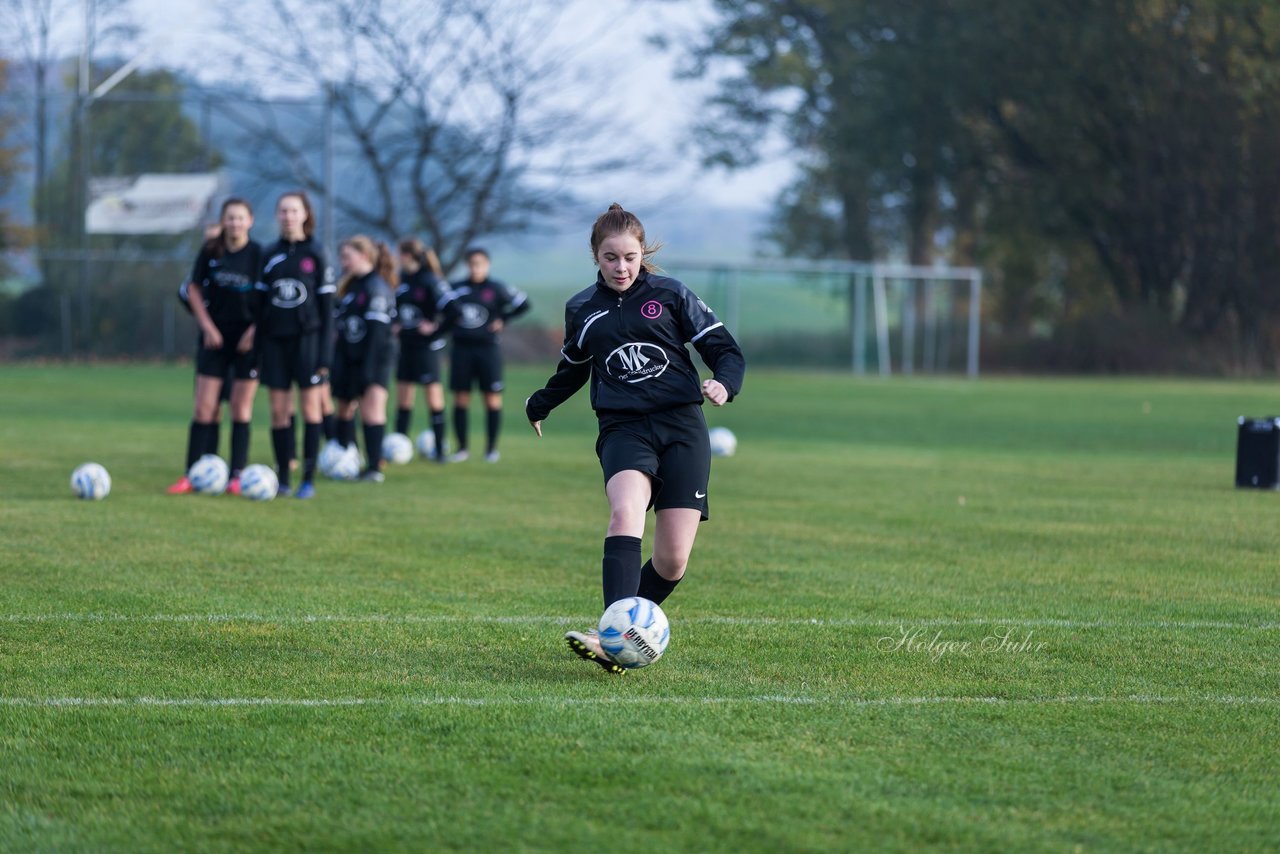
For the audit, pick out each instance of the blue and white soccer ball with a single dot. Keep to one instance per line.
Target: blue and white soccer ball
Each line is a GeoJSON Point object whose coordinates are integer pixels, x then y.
{"type": "Point", "coordinates": [426, 444]}
{"type": "Point", "coordinates": [209, 475]}
{"type": "Point", "coordinates": [723, 442]}
{"type": "Point", "coordinates": [340, 462]}
{"type": "Point", "coordinates": [91, 482]}
{"type": "Point", "coordinates": [634, 632]}
{"type": "Point", "coordinates": [259, 483]}
{"type": "Point", "coordinates": [397, 448]}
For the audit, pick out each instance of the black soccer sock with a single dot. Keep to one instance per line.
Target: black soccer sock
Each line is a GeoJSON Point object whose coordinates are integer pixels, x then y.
{"type": "Point", "coordinates": [620, 570]}
{"type": "Point", "coordinates": [460, 427]}
{"type": "Point", "coordinates": [195, 443]}
{"type": "Point", "coordinates": [654, 587]}
{"type": "Point", "coordinates": [239, 446]}
{"type": "Point", "coordinates": [280, 443]}
{"type": "Point", "coordinates": [310, 449]}
{"type": "Point", "coordinates": [373, 434]}
{"type": "Point", "coordinates": [346, 432]}
{"type": "Point", "coordinates": [404, 417]}
{"type": "Point", "coordinates": [293, 440]}
{"type": "Point", "coordinates": [437, 428]}
{"type": "Point", "coordinates": [212, 438]}
{"type": "Point", "coordinates": [330, 425]}
{"type": "Point", "coordinates": [493, 424]}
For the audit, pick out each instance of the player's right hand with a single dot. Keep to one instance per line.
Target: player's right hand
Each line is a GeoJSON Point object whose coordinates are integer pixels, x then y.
{"type": "Point", "coordinates": [212, 338]}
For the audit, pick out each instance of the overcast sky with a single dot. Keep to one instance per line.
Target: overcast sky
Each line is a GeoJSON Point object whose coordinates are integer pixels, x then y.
{"type": "Point", "coordinates": [175, 31]}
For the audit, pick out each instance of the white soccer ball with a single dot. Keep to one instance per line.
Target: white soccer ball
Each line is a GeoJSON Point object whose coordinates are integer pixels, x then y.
{"type": "Point", "coordinates": [723, 442]}
{"type": "Point", "coordinates": [397, 448]}
{"type": "Point", "coordinates": [259, 483]}
{"type": "Point", "coordinates": [339, 462]}
{"type": "Point", "coordinates": [426, 444]}
{"type": "Point", "coordinates": [90, 482]}
{"type": "Point", "coordinates": [209, 475]}
{"type": "Point", "coordinates": [634, 632]}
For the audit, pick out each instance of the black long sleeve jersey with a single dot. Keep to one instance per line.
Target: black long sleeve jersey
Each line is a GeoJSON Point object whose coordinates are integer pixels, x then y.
{"type": "Point", "coordinates": [364, 316]}
{"type": "Point", "coordinates": [632, 348]}
{"type": "Point", "coordinates": [227, 285]}
{"type": "Point", "coordinates": [473, 306]}
{"type": "Point", "coordinates": [296, 289]}
{"type": "Point", "coordinates": [421, 296]}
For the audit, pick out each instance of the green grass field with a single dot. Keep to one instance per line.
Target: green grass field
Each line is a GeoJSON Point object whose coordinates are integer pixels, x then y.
{"type": "Point", "coordinates": [383, 667]}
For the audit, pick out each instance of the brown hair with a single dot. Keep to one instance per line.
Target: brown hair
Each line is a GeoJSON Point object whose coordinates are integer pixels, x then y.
{"type": "Point", "coordinates": [377, 252]}
{"type": "Point", "coordinates": [216, 245]}
{"type": "Point", "coordinates": [308, 224]}
{"type": "Point", "coordinates": [423, 254]}
{"type": "Point", "coordinates": [618, 221]}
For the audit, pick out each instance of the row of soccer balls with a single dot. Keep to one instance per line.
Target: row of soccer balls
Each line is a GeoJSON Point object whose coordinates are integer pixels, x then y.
{"type": "Point", "coordinates": [209, 474]}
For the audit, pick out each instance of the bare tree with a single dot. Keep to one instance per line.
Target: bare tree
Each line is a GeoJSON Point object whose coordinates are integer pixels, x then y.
{"type": "Point", "coordinates": [465, 117]}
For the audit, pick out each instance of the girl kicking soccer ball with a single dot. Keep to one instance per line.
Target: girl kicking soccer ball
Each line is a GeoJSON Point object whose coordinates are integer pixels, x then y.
{"type": "Point", "coordinates": [627, 334]}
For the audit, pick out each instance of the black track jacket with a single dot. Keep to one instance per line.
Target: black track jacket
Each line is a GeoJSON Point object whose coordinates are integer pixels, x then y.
{"type": "Point", "coordinates": [632, 348]}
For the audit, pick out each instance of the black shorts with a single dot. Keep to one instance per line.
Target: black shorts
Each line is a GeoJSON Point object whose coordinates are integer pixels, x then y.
{"type": "Point", "coordinates": [671, 447]}
{"type": "Point", "coordinates": [419, 361]}
{"type": "Point", "coordinates": [348, 380]}
{"type": "Point", "coordinates": [225, 362]}
{"type": "Point", "coordinates": [471, 365]}
{"type": "Point", "coordinates": [291, 359]}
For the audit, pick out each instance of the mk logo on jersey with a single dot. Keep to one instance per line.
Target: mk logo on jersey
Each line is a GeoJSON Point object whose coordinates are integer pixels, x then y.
{"type": "Point", "coordinates": [409, 314]}
{"type": "Point", "coordinates": [637, 362]}
{"type": "Point", "coordinates": [473, 316]}
{"type": "Point", "coordinates": [288, 293]}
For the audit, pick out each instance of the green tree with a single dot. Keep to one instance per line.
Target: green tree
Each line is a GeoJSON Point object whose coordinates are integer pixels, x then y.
{"type": "Point", "coordinates": [1096, 156]}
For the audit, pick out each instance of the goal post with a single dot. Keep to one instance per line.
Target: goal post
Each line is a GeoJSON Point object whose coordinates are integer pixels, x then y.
{"type": "Point", "coordinates": [912, 313]}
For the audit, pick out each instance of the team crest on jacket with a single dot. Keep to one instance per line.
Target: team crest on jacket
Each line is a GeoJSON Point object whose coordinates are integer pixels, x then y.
{"type": "Point", "coordinates": [409, 315]}
{"type": "Point", "coordinates": [637, 362]}
{"type": "Point", "coordinates": [472, 315]}
{"type": "Point", "coordinates": [353, 329]}
{"type": "Point", "coordinates": [288, 293]}
{"type": "Point", "coordinates": [652, 309]}
{"type": "Point", "coordinates": [308, 265]}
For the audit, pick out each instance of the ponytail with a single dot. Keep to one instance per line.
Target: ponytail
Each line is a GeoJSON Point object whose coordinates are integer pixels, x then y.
{"type": "Point", "coordinates": [423, 254]}
{"type": "Point", "coordinates": [378, 253]}
{"type": "Point", "coordinates": [385, 264]}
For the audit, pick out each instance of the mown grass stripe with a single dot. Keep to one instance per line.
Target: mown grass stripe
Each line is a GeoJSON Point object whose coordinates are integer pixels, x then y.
{"type": "Point", "coordinates": [708, 619]}
{"type": "Point", "coordinates": [764, 699]}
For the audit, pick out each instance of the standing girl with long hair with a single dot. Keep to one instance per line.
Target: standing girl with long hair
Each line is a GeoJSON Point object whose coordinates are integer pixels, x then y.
{"type": "Point", "coordinates": [295, 335]}
{"type": "Point", "coordinates": [365, 350]}
{"type": "Point", "coordinates": [221, 296]}
{"type": "Point", "coordinates": [419, 300]}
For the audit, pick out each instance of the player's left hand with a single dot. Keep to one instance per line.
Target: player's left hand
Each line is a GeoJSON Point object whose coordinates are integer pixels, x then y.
{"type": "Point", "coordinates": [496, 326]}
{"type": "Point", "coordinates": [713, 391]}
{"type": "Point", "coordinates": [426, 327]}
{"type": "Point", "coordinates": [536, 425]}
{"type": "Point", "coordinates": [246, 341]}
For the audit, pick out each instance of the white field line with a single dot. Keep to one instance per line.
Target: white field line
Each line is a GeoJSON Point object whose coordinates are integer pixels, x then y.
{"type": "Point", "coordinates": [535, 619]}
{"type": "Point", "coordinates": [758, 700]}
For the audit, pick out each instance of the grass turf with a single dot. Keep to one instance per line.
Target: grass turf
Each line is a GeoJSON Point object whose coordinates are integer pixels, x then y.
{"type": "Point", "coordinates": [382, 667]}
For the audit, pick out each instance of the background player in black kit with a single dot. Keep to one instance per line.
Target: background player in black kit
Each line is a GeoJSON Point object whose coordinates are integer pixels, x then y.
{"type": "Point", "coordinates": [419, 300]}
{"type": "Point", "coordinates": [365, 349]}
{"type": "Point", "coordinates": [627, 334]}
{"type": "Point", "coordinates": [222, 298]}
{"type": "Point", "coordinates": [478, 310]}
{"type": "Point", "coordinates": [295, 336]}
